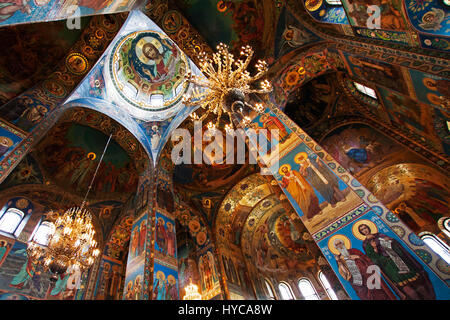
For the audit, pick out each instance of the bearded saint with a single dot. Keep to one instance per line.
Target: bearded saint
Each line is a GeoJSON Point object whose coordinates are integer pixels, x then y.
{"type": "Point", "coordinates": [352, 265]}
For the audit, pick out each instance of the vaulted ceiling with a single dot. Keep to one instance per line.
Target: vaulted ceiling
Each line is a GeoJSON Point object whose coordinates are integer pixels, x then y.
{"type": "Point", "coordinates": [315, 51]}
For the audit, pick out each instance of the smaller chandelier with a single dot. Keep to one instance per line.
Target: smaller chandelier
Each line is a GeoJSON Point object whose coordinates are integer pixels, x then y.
{"type": "Point", "coordinates": [71, 244]}
{"type": "Point", "coordinates": [191, 292]}
{"type": "Point", "coordinates": [227, 81]}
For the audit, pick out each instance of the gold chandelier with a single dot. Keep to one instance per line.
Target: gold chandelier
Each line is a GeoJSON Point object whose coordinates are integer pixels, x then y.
{"type": "Point", "coordinates": [228, 80]}
{"type": "Point", "coordinates": [192, 292]}
{"type": "Point", "coordinates": [72, 243]}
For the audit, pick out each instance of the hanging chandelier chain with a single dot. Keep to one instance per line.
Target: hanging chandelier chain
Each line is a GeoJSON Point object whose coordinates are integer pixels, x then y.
{"type": "Point", "coordinates": [95, 173]}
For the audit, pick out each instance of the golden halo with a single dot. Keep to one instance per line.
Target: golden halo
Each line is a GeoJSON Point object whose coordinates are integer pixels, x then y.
{"type": "Point", "coordinates": [169, 225]}
{"type": "Point", "coordinates": [160, 276]}
{"type": "Point", "coordinates": [201, 238]}
{"type": "Point", "coordinates": [263, 118]}
{"type": "Point", "coordinates": [312, 5]}
{"type": "Point", "coordinates": [6, 141]}
{"type": "Point", "coordinates": [292, 78]}
{"type": "Point", "coordinates": [91, 156]}
{"type": "Point", "coordinates": [429, 83]}
{"type": "Point", "coordinates": [434, 98]}
{"type": "Point", "coordinates": [194, 225]}
{"type": "Point", "coordinates": [300, 156]}
{"type": "Point", "coordinates": [171, 279]}
{"type": "Point", "coordinates": [286, 165]}
{"type": "Point", "coordinates": [347, 243]}
{"type": "Point", "coordinates": [373, 228]}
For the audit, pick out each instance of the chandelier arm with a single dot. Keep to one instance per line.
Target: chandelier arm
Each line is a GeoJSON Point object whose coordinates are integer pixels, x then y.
{"type": "Point", "coordinates": [247, 61]}
{"type": "Point", "coordinates": [259, 75]}
{"type": "Point", "coordinates": [261, 91]}
{"type": "Point", "coordinates": [95, 173]}
{"type": "Point", "coordinates": [200, 82]}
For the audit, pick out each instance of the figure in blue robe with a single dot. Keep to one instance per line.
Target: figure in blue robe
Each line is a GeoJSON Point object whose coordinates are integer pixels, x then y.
{"type": "Point", "coordinates": [358, 154]}
{"type": "Point", "coordinates": [60, 285]}
{"type": "Point", "coordinates": [24, 275]}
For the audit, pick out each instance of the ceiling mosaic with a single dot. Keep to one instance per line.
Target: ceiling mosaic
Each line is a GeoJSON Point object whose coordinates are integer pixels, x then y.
{"type": "Point", "coordinates": [70, 152]}
{"type": "Point", "coordinates": [148, 71]}
{"type": "Point", "coordinates": [418, 190]}
{"type": "Point", "coordinates": [140, 81]}
{"type": "Point", "coordinates": [312, 102]}
{"type": "Point", "coordinates": [272, 243]}
{"type": "Point", "coordinates": [30, 52]}
{"type": "Point", "coordinates": [326, 11]}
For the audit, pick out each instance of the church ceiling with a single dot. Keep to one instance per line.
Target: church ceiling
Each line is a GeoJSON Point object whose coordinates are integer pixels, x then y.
{"type": "Point", "coordinates": [51, 10]}
{"type": "Point", "coordinates": [140, 79]}
{"type": "Point", "coordinates": [147, 71]}
{"type": "Point", "coordinates": [400, 182]}
{"type": "Point", "coordinates": [30, 108]}
{"type": "Point", "coordinates": [326, 11]}
{"type": "Point", "coordinates": [30, 52]}
{"type": "Point", "coordinates": [70, 152]}
{"type": "Point", "coordinates": [203, 186]}
{"type": "Point", "coordinates": [251, 218]}
{"type": "Point", "coordinates": [236, 206]}
{"type": "Point", "coordinates": [417, 193]}
{"type": "Point", "coordinates": [272, 243]}
{"type": "Point", "coordinates": [312, 102]}
{"type": "Point", "coordinates": [234, 22]}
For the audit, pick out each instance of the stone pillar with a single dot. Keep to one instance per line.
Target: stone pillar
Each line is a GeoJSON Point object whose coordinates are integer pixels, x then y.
{"type": "Point", "coordinates": [343, 217]}
{"type": "Point", "coordinates": [165, 259]}
{"type": "Point", "coordinates": [139, 262]}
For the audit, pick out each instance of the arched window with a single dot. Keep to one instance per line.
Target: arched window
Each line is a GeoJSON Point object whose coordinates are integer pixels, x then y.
{"type": "Point", "coordinates": [43, 231]}
{"type": "Point", "coordinates": [10, 220]}
{"type": "Point", "coordinates": [444, 225]}
{"type": "Point", "coordinates": [334, 2]}
{"type": "Point", "coordinates": [307, 290]}
{"type": "Point", "coordinates": [437, 245]}
{"type": "Point", "coordinates": [327, 286]}
{"type": "Point", "coordinates": [286, 292]}
{"type": "Point", "coordinates": [365, 90]}
{"type": "Point", "coordinates": [447, 224]}
{"type": "Point", "coordinates": [269, 290]}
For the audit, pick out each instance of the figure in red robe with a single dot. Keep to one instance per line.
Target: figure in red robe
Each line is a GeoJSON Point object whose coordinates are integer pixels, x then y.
{"type": "Point", "coordinates": [353, 265]}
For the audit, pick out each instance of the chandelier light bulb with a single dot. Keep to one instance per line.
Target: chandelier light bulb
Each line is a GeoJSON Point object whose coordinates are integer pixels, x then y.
{"type": "Point", "coordinates": [192, 292]}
